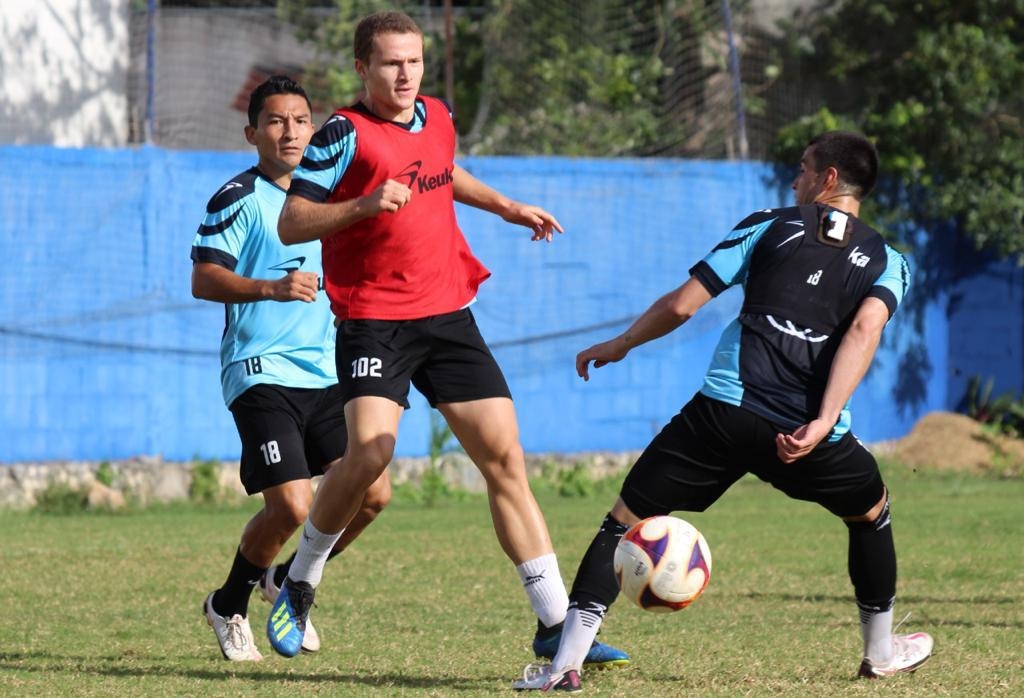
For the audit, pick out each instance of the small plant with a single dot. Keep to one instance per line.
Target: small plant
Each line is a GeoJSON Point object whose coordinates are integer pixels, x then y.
{"type": "Point", "coordinates": [1002, 415]}
{"type": "Point", "coordinates": [549, 470]}
{"type": "Point", "coordinates": [442, 440]}
{"type": "Point", "coordinates": [61, 499]}
{"type": "Point", "coordinates": [105, 474]}
{"type": "Point", "coordinates": [979, 398]}
{"type": "Point", "coordinates": [433, 484]}
{"type": "Point", "coordinates": [575, 482]}
{"type": "Point", "coordinates": [1004, 464]}
{"type": "Point", "coordinates": [205, 485]}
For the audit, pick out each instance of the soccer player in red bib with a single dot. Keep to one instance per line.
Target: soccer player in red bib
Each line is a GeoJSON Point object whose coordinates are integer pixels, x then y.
{"type": "Point", "coordinates": [377, 185]}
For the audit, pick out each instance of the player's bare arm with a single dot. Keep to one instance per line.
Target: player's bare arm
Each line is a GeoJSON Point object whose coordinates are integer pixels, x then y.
{"type": "Point", "coordinates": [213, 282]}
{"type": "Point", "coordinates": [665, 314]}
{"type": "Point", "coordinates": [303, 220]}
{"type": "Point", "coordinates": [855, 353]}
{"type": "Point", "coordinates": [469, 190]}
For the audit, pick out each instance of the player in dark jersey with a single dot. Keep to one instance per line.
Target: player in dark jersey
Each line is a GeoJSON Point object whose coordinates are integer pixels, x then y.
{"type": "Point", "coordinates": [378, 186]}
{"type": "Point", "coordinates": [277, 359]}
{"type": "Point", "coordinates": [819, 287]}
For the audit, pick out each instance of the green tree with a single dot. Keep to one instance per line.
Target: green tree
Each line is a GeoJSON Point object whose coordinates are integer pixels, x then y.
{"type": "Point", "coordinates": [939, 85]}
{"type": "Point", "coordinates": [330, 79]}
{"type": "Point", "coordinates": [530, 77]}
{"type": "Point", "coordinates": [583, 82]}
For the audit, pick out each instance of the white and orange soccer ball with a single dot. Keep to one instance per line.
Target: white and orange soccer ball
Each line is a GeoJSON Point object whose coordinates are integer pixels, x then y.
{"type": "Point", "coordinates": [663, 564]}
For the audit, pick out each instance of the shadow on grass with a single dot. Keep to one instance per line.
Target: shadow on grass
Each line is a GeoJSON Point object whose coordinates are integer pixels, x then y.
{"type": "Point", "coordinates": [902, 599]}
{"type": "Point", "coordinates": [912, 601]}
{"type": "Point", "coordinates": [135, 666]}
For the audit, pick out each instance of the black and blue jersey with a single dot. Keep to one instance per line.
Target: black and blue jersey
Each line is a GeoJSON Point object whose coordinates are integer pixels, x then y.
{"type": "Point", "coordinates": [805, 271]}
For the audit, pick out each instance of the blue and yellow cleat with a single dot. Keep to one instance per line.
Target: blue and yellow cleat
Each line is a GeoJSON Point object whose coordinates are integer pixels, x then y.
{"type": "Point", "coordinates": [287, 623]}
{"type": "Point", "coordinates": [600, 656]}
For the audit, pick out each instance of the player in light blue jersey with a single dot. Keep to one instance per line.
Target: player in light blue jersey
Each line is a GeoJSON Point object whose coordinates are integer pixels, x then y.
{"type": "Point", "coordinates": [277, 359]}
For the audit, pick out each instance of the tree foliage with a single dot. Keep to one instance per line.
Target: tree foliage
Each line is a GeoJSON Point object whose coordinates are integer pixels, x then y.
{"type": "Point", "coordinates": [530, 77]}
{"type": "Point", "coordinates": [331, 79]}
{"type": "Point", "coordinates": [589, 88]}
{"type": "Point", "coordinates": [939, 85]}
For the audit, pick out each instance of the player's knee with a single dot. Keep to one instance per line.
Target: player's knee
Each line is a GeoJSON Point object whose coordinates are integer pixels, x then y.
{"type": "Point", "coordinates": [288, 515]}
{"type": "Point", "coordinates": [377, 497]}
{"type": "Point", "coordinates": [877, 517]}
{"type": "Point", "coordinates": [287, 506]}
{"type": "Point", "coordinates": [371, 457]}
{"type": "Point", "coordinates": [505, 465]}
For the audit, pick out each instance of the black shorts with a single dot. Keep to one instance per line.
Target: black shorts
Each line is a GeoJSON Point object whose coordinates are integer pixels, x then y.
{"type": "Point", "coordinates": [444, 356]}
{"type": "Point", "coordinates": [287, 433]}
{"type": "Point", "coordinates": [709, 445]}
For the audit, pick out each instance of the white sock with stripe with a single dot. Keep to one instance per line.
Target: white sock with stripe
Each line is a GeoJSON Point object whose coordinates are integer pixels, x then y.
{"type": "Point", "coordinates": [311, 555]}
{"type": "Point", "coordinates": [578, 634]}
{"type": "Point", "coordinates": [544, 587]}
{"type": "Point", "coordinates": [876, 630]}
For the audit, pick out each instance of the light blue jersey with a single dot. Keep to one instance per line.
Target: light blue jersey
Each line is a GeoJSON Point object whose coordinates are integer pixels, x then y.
{"type": "Point", "coordinates": [289, 344]}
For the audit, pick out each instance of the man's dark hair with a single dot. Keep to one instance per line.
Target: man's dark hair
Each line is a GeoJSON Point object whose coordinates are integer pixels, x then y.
{"type": "Point", "coordinates": [380, 23]}
{"type": "Point", "coordinates": [274, 85]}
{"type": "Point", "coordinates": [853, 156]}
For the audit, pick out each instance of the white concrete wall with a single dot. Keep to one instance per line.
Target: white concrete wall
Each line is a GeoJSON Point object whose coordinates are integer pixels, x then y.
{"type": "Point", "coordinates": [63, 72]}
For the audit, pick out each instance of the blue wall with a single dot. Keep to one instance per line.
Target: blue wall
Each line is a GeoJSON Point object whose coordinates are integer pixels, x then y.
{"type": "Point", "coordinates": [104, 353]}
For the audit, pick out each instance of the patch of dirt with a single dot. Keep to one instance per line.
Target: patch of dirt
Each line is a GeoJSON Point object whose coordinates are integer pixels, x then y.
{"type": "Point", "coordinates": [955, 442]}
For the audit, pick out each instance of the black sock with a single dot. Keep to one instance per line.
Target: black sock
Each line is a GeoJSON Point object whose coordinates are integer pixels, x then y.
{"type": "Point", "coordinates": [595, 587]}
{"type": "Point", "coordinates": [544, 632]}
{"type": "Point", "coordinates": [281, 571]}
{"type": "Point", "coordinates": [872, 562]}
{"type": "Point", "coordinates": [233, 597]}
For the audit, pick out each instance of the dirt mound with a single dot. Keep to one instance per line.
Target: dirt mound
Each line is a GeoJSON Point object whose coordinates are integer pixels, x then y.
{"type": "Point", "coordinates": [948, 441]}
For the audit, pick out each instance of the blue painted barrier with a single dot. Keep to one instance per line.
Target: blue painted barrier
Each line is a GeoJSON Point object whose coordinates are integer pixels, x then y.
{"type": "Point", "coordinates": [105, 354]}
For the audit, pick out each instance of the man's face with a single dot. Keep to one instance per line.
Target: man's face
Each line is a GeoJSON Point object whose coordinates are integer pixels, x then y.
{"type": "Point", "coordinates": [282, 133]}
{"type": "Point", "coordinates": [393, 73]}
{"type": "Point", "coordinates": [807, 183]}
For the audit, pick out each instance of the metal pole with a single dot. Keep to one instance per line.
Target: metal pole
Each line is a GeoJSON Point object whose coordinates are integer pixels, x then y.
{"type": "Point", "coordinates": [449, 54]}
{"type": "Point", "coordinates": [737, 83]}
{"type": "Point", "coordinates": [150, 68]}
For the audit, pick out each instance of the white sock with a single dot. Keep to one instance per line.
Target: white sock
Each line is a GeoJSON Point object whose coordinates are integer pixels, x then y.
{"type": "Point", "coordinates": [578, 635]}
{"type": "Point", "coordinates": [545, 588]}
{"type": "Point", "coordinates": [311, 555]}
{"type": "Point", "coordinates": [876, 629]}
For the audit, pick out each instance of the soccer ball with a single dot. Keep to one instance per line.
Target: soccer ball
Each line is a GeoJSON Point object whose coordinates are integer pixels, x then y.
{"type": "Point", "coordinates": [662, 564]}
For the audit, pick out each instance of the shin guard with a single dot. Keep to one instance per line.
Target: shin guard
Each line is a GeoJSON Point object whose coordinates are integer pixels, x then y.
{"type": "Point", "coordinates": [594, 589]}
{"type": "Point", "coordinates": [872, 562]}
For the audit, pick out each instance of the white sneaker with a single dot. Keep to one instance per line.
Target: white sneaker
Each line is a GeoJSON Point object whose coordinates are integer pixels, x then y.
{"type": "Point", "coordinates": [534, 677]}
{"type": "Point", "coordinates": [539, 677]}
{"type": "Point", "coordinates": [910, 652]}
{"type": "Point", "coordinates": [233, 634]}
{"type": "Point", "coordinates": [269, 591]}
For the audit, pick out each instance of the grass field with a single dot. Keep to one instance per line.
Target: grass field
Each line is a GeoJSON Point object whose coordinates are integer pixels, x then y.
{"type": "Point", "coordinates": [425, 605]}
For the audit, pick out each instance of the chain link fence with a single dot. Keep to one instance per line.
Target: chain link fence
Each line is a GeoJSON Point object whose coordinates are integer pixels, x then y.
{"type": "Point", "coordinates": [670, 78]}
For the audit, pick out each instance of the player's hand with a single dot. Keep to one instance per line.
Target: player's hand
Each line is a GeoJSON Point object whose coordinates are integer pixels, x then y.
{"type": "Point", "coordinates": [792, 447]}
{"type": "Point", "coordinates": [542, 223]}
{"type": "Point", "coordinates": [601, 354]}
{"type": "Point", "coordinates": [295, 286]}
{"type": "Point", "coordinates": [388, 197]}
